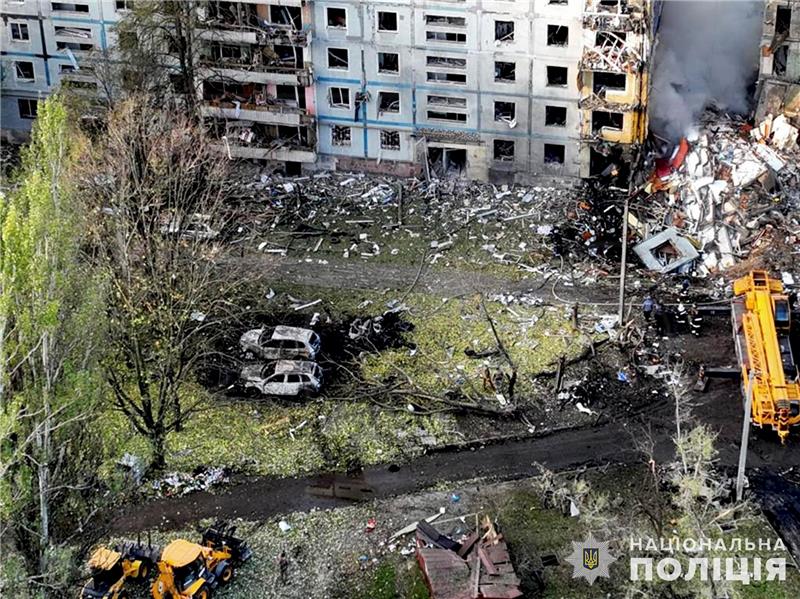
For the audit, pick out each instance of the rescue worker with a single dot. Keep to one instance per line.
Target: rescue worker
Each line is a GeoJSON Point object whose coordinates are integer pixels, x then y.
{"type": "Point", "coordinates": [685, 284]}
{"type": "Point", "coordinates": [682, 317]}
{"type": "Point", "coordinates": [695, 321]}
{"type": "Point", "coordinates": [647, 307]}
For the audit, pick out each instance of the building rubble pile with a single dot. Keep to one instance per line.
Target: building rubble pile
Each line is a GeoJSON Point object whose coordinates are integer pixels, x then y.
{"type": "Point", "coordinates": [722, 194]}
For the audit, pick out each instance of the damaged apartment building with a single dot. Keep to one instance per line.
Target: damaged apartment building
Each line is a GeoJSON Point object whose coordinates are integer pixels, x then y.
{"type": "Point", "coordinates": [255, 80]}
{"type": "Point", "coordinates": [779, 68]}
{"type": "Point", "coordinates": [491, 90]}
{"type": "Point", "coordinates": [485, 89]}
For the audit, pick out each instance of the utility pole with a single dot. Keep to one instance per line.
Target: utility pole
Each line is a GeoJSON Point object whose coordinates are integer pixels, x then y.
{"type": "Point", "coordinates": [748, 405]}
{"type": "Point", "coordinates": [623, 266]}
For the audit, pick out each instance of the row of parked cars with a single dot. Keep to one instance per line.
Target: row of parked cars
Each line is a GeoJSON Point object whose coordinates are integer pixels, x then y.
{"type": "Point", "coordinates": [287, 361]}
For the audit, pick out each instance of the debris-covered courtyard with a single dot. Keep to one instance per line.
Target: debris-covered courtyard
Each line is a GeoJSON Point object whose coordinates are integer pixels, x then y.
{"type": "Point", "coordinates": [370, 300]}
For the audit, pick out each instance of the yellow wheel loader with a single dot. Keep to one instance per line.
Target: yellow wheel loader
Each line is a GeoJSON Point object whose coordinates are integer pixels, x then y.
{"type": "Point", "coordinates": [112, 568]}
{"type": "Point", "coordinates": [192, 571]}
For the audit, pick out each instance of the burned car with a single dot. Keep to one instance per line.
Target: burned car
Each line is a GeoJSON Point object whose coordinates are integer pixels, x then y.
{"type": "Point", "coordinates": [284, 377]}
{"type": "Point", "coordinates": [281, 343]}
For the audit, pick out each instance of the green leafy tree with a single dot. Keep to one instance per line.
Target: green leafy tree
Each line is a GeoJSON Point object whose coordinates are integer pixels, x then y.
{"type": "Point", "coordinates": [50, 388]}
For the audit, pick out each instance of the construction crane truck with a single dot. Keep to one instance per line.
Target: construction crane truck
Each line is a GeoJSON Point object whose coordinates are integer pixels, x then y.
{"type": "Point", "coordinates": [761, 317]}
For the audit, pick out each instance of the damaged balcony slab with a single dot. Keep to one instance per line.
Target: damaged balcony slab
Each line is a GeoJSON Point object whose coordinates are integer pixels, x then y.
{"type": "Point", "coordinates": [666, 252]}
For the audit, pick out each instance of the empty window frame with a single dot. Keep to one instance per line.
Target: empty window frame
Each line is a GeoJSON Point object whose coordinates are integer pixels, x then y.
{"type": "Point", "coordinates": [338, 58]}
{"type": "Point", "coordinates": [446, 62]}
{"type": "Point", "coordinates": [73, 46]}
{"type": "Point", "coordinates": [557, 35]}
{"type": "Point", "coordinates": [555, 116]}
{"type": "Point", "coordinates": [608, 81]}
{"type": "Point", "coordinates": [505, 112]}
{"type": "Point", "coordinates": [339, 97]}
{"type": "Point", "coordinates": [450, 101]}
{"type": "Point", "coordinates": [27, 108]}
{"type": "Point", "coordinates": [504, 150]}
{"type": "Point", "coordinates": [438, 115]}
{"type": "Point", "coordinates": [557, 76]}
{"type": "Point", "coordinates": [286, 15]}
{"type": "Point", "coordinates": [445, 20]}
{"type": "Point", "coordinates": [336, 18]}
{"type": "Point", "coordinates": [390, 140]}
{"type": "Point", "coordinates": [458, 78]}
{"type": "Point", "coordinates": [609, 38]}
{"type": "Point", "coordinates": [341, 136]}
{"type": "Point", "coordinates": [124, 4]}
{"type": "Point", "coordinates": [69, 7]}
{"type": "Point", "coordinates": [388, 102]}
{"type": "Point", "coordinates": [505, 72]}
{"type": "Point", "coordinates": [504, 31]}
{"type": "Point", "coordinates": [559, 2]}
{"type": "Point", "coordinates": [446, 36]}
{"type": "Point", "coordinates": [554, 153]}
{"type": "Point", "coordinates": [388, 62]}
{"type": "Point", "coordinates": [387, 21]}
{"type": "Point", "coordinates": [65, 68]}
{"type": "Point", "coordinates": [783, 20]}
{"type": "Point", "coordinates": [19, 32]}
{"type": "Point", "coordinates": [82, 32]}
{"type": "Point", "coordinates": [23, 70]}
{"type": "Point", "coordinates": [602, 119]}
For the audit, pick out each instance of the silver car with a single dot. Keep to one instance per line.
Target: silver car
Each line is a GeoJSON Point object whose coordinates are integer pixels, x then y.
{"type": "Point", "coordinates": [285, 377]}
{"type": "Point", "coordinates": [281, 343]}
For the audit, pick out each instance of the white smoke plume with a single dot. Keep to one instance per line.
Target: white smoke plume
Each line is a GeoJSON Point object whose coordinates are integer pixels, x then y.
{"type": "Point", "coordinates": [707, 54]}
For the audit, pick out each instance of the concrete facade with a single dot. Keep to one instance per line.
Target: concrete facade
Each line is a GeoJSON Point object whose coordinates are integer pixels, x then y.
{"type": "Point", "coordinates": [42, 44]}
{"type": "Point", "coordinates": [779, 67]}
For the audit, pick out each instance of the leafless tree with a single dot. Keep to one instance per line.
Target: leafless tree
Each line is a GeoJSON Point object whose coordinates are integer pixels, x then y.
{"type": "Point", "coordinates": [160, 191]}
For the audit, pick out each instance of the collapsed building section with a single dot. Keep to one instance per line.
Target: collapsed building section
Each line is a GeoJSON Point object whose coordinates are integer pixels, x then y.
{"type": "Point", "coordinates": [779, 67]}
{"type": "Point", "coordinates": [613, 79]}
{"type": "Point", "coordinates": [255, 81]}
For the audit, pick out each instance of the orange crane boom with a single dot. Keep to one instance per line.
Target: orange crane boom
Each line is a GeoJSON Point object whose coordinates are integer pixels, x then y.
{"type": "Point", "coordinates": [761, 324]}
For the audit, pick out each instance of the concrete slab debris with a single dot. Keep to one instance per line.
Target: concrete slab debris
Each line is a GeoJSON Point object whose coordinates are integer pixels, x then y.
{"type": "Point", "coordinates": [666, 252]}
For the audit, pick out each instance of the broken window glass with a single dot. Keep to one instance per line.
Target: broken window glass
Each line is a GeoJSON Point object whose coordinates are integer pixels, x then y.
{"type": "Point", "coordinates": [554, 154]}
{"type": "Point", "coordinates": [609, 39]}
{"type": "Point", "coordinates": [606, 120]}
{"type": "Point", "coordinates": [557, 35]}
{"type": "Point", "coordinates": [460, 78]}
{"type": "Point", "coordinates": [445, 20]}
{"type": "Point", "coordinates": [455, 102]}
{"type": "Point", "coordinates": [24, 70]}
{"type": "Point", "coordinates": [388, 102]}
{"type": "Point", "coordinates": [390, 140]}
{"type": "Point", "coordinates": [505, 112]}
{"type": "Point", "coordinates": [458, 117]}
{"type": "Point", "coordinates": [337, 18]}
{"type": "Point", "coordinates": [555, 116]}
{"type": "Point", "coordinates": [339, 97]}
{"type": "Point", "coordinates": [446, 36]}
{"type": "Point", "coordinates": [388, 62]}
{"type": "Point", "coordinates": [338, 58]}
{"type": "Point", "coordinates": [505, 71]}
{"type": "Point", "coordinates": [602, 81]}
{"type": "Point", "coordinates": [557, 76]}
{"type": "Point", "coordinates": [446, 61]}
{"type": "Point", "coordinates": [340, 136]}
{"type": "Point", "coordinates": [503, 149]}
{"type": "Point", "coordinates": [504, 31]}
{"type": "Point", "coordinates": [286, 15]}
{"type": "Point", "coordinates": [387, 21]}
